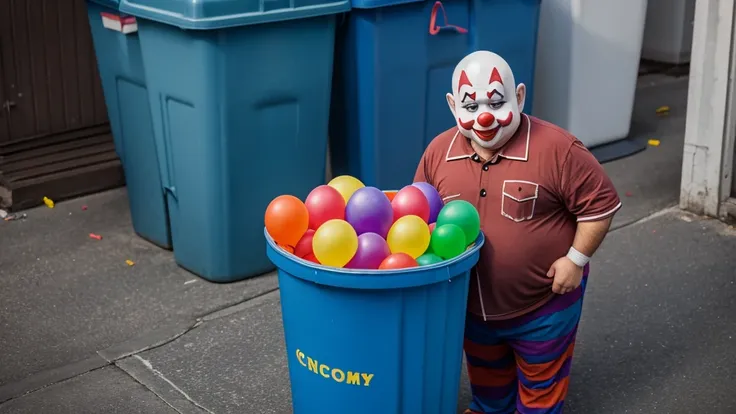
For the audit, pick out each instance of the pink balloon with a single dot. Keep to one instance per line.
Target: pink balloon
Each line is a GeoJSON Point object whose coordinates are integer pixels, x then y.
{"type": "Point", "coordinates": [410, 200]}
{"type": "Point", "coordinates": [433, 197]}
{"type": "Point", "coordinates": [324, 203]}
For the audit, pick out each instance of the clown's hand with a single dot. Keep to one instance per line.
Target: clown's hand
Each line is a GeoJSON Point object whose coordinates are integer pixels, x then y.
{"type": "Point", "coordinates": [567, 275]}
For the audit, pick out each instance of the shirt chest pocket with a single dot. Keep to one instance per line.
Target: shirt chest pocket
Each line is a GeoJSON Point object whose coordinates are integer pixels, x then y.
{"type": "Point", "coordinates": [518, 199]}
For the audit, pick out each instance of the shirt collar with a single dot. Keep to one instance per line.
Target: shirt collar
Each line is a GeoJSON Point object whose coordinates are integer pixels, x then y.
{"type": "Point", "coordinates": [517, 148]}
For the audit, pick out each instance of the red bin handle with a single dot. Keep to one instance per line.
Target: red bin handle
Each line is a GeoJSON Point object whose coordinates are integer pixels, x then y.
{"type": "Point", "coordinates": [434, 29]}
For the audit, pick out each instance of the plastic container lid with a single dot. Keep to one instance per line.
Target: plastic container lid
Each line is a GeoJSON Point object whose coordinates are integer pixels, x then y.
{"type": "Point", "coordinates": [113, 4]}
{"type": "Point", "coordinates": [219, 14]}
{"type": "Point", "coordinates": [373, 4]}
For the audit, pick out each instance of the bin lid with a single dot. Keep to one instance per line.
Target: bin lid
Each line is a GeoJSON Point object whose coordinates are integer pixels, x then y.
{"type": "Point", "coordinates": [219, 14]}
{"type": "Point", "coordinates": [373, 4]}
{"type": "Point", "coordinates": [113, 4]}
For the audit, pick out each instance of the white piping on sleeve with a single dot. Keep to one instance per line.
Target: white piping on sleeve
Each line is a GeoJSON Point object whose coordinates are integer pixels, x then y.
{"type": "Point", "coordinates": [601, 216]}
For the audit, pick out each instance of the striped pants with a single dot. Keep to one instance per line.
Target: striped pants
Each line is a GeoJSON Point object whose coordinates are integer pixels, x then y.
{"type": "Point", "coordinates": [522, 365]}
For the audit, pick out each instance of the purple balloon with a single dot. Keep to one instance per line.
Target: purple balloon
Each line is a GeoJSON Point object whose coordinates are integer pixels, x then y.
{"type": "Point", "coordinates": [434, 198]}
{"type": "Point", "coordinates": [369, 211]}
{"type": "Point", "coordinates": [372, 249]}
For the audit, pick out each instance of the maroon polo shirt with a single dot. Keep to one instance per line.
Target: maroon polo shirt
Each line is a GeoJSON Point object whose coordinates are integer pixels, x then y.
{"type": "Point", "coordinates": [530, 197]}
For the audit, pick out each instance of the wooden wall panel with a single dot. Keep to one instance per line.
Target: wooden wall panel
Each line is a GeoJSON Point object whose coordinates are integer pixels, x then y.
{"type": "Point", "coordinates": [48, 69]}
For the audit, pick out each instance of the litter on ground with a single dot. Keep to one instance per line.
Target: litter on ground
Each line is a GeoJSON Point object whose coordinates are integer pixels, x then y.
{"type": "Point", "coordinates": [653, 142]}
{"type": "Point", "coordinates": [17, 216]}
{"type": "Point", "coordinates": [95, 236]}
{"type": "Point", "coordinates": [663, 110]}
{"type": "Point", "coordinates": [130, 262]}
{"type": "Point", "coordinates": [49, 202]}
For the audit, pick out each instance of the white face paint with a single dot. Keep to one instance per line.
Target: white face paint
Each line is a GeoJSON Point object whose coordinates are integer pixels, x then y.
{"type": "Point", "coordinates": [485, 100]}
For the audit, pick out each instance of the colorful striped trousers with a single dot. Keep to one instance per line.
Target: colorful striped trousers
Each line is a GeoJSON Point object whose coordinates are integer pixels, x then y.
{"type": "Point", "coordinates": [522, 365]}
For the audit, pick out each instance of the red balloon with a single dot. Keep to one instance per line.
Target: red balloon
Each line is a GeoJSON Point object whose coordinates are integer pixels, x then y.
{"type": "Point", "coordinates": [398, 261]}
{"type": "Point", "coordinates": [324, 203]}
{"type": "Point", "coordinates": [410, 200]}
{"type": "Point", "coordinates": [431, 227]}
{"type": "Point", "coordinates": [304, 247]}
{"type": "Point", "coordinates": [311, 258]}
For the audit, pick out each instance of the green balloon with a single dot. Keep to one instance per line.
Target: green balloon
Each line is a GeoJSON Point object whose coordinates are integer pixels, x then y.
{"type": "Point", "coordinates": [428, 259]}
{"type": "Point", "coordinates": [462, 214]}
{"type": "Point", "coordinates": [448, 241]}
{"type": "Point", "coordinates": [429, 248]}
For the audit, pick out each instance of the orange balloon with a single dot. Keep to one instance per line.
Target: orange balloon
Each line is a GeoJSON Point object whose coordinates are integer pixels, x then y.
{"type": "Point", "coordinates": [390, 194]}
{"type": "Point", "coordinates": [287, 248]}
{"type": "Point", "coordinates": [287, 219]}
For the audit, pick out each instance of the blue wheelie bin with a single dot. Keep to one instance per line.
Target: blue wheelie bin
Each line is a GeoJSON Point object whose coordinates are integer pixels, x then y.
{"type": "Point", "coordinates": [394, 64]}
{"type": "Point", "coordinates": [240, 97]}
{"type": "Point", "coordinates": [120, 65]}
{"type": "Point", "coordinates": [374, 342]}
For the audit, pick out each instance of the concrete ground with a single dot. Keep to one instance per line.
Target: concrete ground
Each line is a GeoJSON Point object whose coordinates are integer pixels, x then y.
{"type": "Point", "coordinates": [82, 332]}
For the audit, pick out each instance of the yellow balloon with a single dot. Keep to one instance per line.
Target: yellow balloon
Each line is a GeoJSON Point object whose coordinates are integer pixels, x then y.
{"type": "Point", "coordinates": [346, 185]}
{"type": "Point", "coordinates": [335, 243]}
{"type": "Point", "coordinates": [410, 235]}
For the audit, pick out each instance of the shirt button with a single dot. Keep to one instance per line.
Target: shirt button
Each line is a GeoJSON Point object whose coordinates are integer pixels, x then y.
{"type": "Point", "coordinates": [482, 193]}
{"type": "Point", "coordinates": [485, 168]}
{"type": "Point", "coordinates": [475, 157]}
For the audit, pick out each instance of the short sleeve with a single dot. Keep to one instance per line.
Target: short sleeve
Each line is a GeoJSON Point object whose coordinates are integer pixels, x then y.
{"type": "Point", "coordinates": [424, 173]}
{"type": "Point", "coordinates": [586, 189]}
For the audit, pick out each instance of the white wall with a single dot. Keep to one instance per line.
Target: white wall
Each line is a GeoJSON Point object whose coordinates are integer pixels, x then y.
{"type": "Point", "coordinates": [711, 115]}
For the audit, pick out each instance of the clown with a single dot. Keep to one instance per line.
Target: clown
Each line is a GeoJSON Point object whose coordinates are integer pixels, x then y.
{"type": "Point", "coordinates": [545, 205]}
{"type": "Point", "coordinates": [486, 110]}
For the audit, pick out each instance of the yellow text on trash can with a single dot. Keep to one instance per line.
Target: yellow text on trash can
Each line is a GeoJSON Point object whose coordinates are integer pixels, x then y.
{"type": "Point", "coordinates": [335, 374]}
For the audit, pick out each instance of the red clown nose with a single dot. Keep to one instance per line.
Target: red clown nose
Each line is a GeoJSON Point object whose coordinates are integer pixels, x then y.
{"type": "Point", "coordinates": [486, 119]}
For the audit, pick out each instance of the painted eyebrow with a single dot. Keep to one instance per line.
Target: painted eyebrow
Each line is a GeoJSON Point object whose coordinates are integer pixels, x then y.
{"type": "Point", "coordinates": [495, 93]}
{"type": "Point", "coordinates": [468, 95]}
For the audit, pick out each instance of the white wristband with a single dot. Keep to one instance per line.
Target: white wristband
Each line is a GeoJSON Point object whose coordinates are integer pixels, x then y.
{"type": "Point", "coordinates": [577, 257]}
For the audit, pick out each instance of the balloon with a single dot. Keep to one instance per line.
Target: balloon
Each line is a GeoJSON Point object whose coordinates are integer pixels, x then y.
{"type": "Point", "coordinates": [398, 261]}
{"type": "Point", "coordinates": [410, 235]}
{"type": "Point", "coordinates": [324, 203]}
{"type": "Point", "coordinates": [390, 194]}
{"type": "Point", "coordinates": [369, 211]}
{"type": "Point", "coordinates": [335, 243]}
{"type": "Point", "coordinates": [311, 258]}
{"type": "Point", "coordinates": [429, 248]}
{"type": "Point", "coordinates": [462, 214]}
{"type": "Point", "coordinates": [372, 249]}
{"type": "Point", "coordinates": [431, 227]}
{"type": "Point", "coordinates": [346, 185]}
{"type": "Point", "coordinates": [410, 201]}
{"type": "Point", "coordinates": [448, 241]}
{"type": "Point", "coordinates": [304, 247]}
{"type": "Point", "coordinates": [427, 259]}
{"type": "Point", "coordinates": [286, 220]}
{"type": "Point", "coordinates": [433, 198]}
{"type": "Point", "coordinates": [287, 248]}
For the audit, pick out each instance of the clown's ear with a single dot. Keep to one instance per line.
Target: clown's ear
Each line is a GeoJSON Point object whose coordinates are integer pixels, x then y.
{"type": "Point", "coordinates": [521, 96]}
{"type": "Point", "coordinates": [451, 103]}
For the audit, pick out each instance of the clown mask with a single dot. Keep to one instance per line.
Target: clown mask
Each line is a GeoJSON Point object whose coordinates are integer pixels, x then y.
{"type": "Point", "coordinates": [485, 100]}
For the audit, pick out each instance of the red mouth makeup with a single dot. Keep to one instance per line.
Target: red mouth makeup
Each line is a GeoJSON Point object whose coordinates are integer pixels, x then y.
{"type": "Point", "coordinates": [487, 135]}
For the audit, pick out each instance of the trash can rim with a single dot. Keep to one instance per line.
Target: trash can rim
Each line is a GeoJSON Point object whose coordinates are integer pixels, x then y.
{"type": "Point", "coordinates": [357, 278]}
{"type": "Point", "coordinates": [193, 18]}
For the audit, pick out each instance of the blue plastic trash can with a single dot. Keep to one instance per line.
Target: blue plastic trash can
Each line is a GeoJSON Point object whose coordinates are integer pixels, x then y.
{"type": "Point", "coordinates": [120, 65]}
{"type": "Point", "coordinates": [370, 342]}
{"type": "Point", "coordinates": [394, 67]}
{"type": "Point", "coordinates": [240, 96]}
